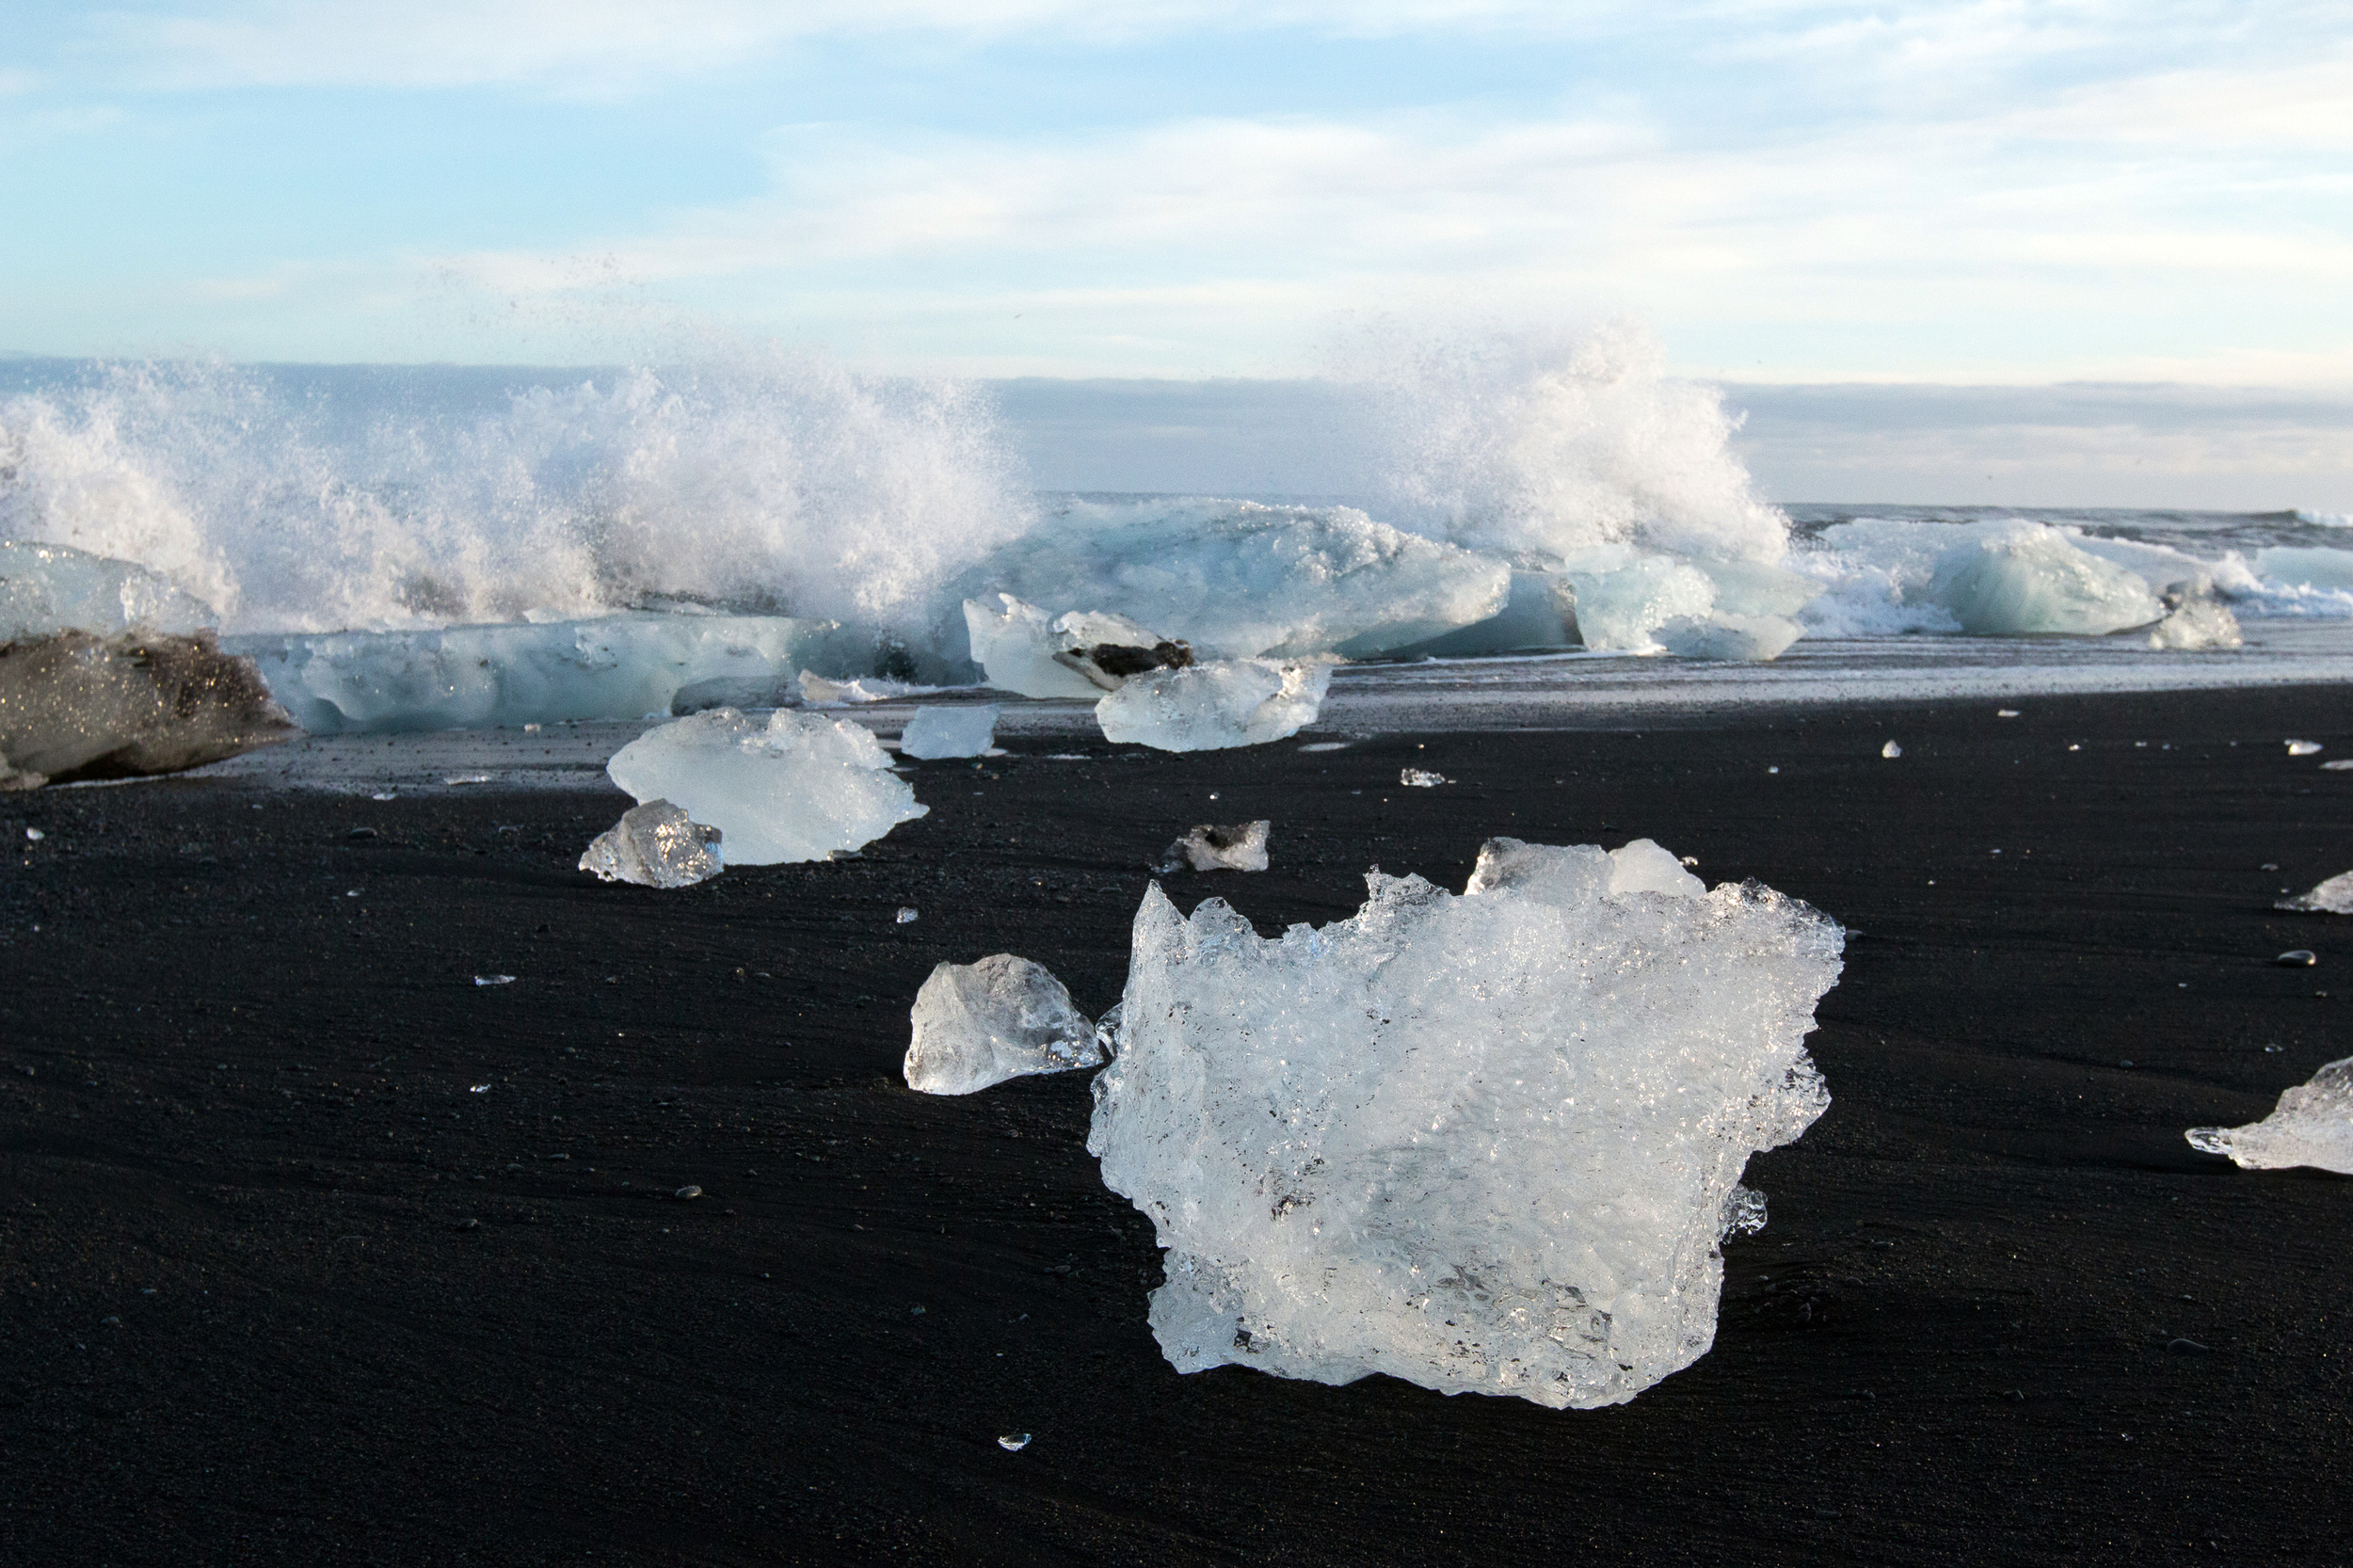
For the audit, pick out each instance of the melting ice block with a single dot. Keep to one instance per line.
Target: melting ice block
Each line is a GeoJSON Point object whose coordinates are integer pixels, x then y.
{"type": "Point", "coordinates": [1227, 702]}
{"type": "Point", "coordinates": [1623, 596]}
{"type": "Point", "coordinates": [2312, 1126]}
{"type": "Point", "coordinates": [960, 731]}
{"type": "Point", "coordinates": [1750, 639]}
{"type": "Point", "coordinates": [74, 704]}
{"type": "Point", "coordinates": [979, 1024]}
{"type": "Point", "coordinates": [797, 788]}
{"type": "Point", "coordinates": [1210, 848]}
{"type": "Point", "coordinates": [47, 588]}
{"type": "Point", "coordinates": [2332, 897]}
{"type": "Point", "coordinates": [2030, 577]}
{"type": "Point", "coordinates": [1080, 653]}
{"type": "Point", "coordinates": [655, 845]}
{"type": "Point", "coordinates": [1486, 1143]}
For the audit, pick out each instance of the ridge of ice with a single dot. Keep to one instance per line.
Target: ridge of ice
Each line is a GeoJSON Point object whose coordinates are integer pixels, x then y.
{"type": "Point", "coordinates": [2332, 897]}
{"type": "Point", "coordinates": [798, 788]}
{"type": "Point", "coordinates": [1484, 1142]}
{"type": "Point", "coordinates": [655, 845]}
{"type": "Point", "coordinates": [1207, 847]}
{"type": "Point", "coordinates": [974, 1024]}
{"type": "Point", "coordinates": [1208, 707]}
{"type": "Point", "coordinates": [2312, 1126]}
{"type": "Point", "coordinates": [962, 730]}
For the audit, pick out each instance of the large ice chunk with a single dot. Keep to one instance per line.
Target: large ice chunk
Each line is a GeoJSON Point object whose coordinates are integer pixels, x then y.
{"type": "Point", "coordinates": [942, 732]}
{"type": "Point", "coordinates": [1238, 579]}
{"type": "Point", "coordinates": [1623, 596]}
{"type": "Point", "coordinates": [1207, 847]}
{"type": "Point", "coordinates": [2312, 1126]}
{"type": "Point", "coordinates": [979, 1024]}
{"type": "Point", "coordinates": [2332, 897]}
{"type": "Point", "coordinates": [796, 787]}
{"type": "Point", "coordinates": [47, 588]}
{"type": "Point", "coordinates": [655, 845]}
{"type": "Point", "coordinates": [2029, 578]}
{"type": "Point", "coordinates": [1227, 702]}
{"type": "Point", "coordinates": [1486, 1143]}
{"type": "Point", "coordinates": [73, 704]}
{"type": "Point", "coordinates": [613, 667]}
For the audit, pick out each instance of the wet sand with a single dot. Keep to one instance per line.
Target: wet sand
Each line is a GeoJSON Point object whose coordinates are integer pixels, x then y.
{"type": "Point", "coordinates": [314, 1251]}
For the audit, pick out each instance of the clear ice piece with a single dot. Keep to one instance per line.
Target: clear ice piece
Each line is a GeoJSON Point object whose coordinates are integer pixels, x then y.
{"type": "Point", "coordinates": [2332, 897]}
{"type": "Point", "coordinates": [49, 588]}
{"type": "Point", "coordinates": [1208, 707]}
{"type": "Point", "coordinates": [799, 787]}
{"type": "Point", "coordinates": [1486, 1143]}
{"type": "Point", "coordinates": [1731, 638]}
{"type": "Point", "coordinates": [1421, 779]}
{"type": "Point", "coordinates": [2304, 748]}
{"type": "Point", "coordinates": [2312, 1126]}
{"type": "Point", "coordinates": [655, 845]}
{"type": "Point", "coordinates": [1891, 750]}
{"type": "Point", "coordinates": [1207, 847]}
{"type": "Point", "coordinates": [979, 1024]}
{"type": "Point", "coordinates": [964, 731]}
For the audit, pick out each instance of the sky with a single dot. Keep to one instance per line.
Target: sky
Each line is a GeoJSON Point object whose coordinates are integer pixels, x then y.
{"type": "Point", "coordinates": [1987, 192]}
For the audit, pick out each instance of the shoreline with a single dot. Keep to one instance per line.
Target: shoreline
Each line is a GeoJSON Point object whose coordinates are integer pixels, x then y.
{"type": "Point", "coordinates": [225, 1079]}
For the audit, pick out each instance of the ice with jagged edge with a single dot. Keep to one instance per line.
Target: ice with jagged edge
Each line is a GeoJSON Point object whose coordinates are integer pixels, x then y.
{"type": "Point", "coordinates": [979, 1024]}
{"type": "Point", "coordinates": [964, 731]}
{"type": "Point", "coordinates": [798, 787]}
{"type": "Point", "coordinates": [1208, 847]}
{"type": "Point", "coordinates": [655, 845]}
{"type": "Point", "coordinates": [1223, 703]}
{"type": "Point", "coordinates": [2312, 1126]}
{"type": "Point", "coordinates": [1029, 652]}
{"type": "Point", "coordinates": [476, 677]}
{"type": "Point", "coordinates": [1486, 1143]}
{"type": "Point", "coordinates": [48, 588]}
{"type": "Point", "coordinates": [2332, 897]}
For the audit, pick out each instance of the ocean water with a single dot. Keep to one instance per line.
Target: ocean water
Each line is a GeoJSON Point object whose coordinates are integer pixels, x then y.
{"type": "Point", "coordinates": [298, 501]}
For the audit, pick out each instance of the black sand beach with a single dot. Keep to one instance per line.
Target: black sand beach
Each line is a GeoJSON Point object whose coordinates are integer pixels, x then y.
{"type": "Point", "coordinates": [280, 1284]}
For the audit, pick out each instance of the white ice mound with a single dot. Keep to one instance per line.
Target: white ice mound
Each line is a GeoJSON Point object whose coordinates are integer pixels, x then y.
{"type": "Point", "coordinates": [2029, 578]}
{"type": "Point", "coordinates": [796, 787]}
{"type": "Point", "coordinates": [473, 676]}
{"type": "Point", "coordinates": [1488, 1142]}
{"type": "Point", "coordinates": [958, 732]}
{"type": "Point", "coordinates": [2312, 1126]}
{"type": "Point", "coordinates": [2332, 897]}
{"type": "Point", "coordinates": [1229, 702]}
{"type": "Point", "coordinates": [1238, 579]}
{"type": "Point", "coordinates": [1747, 639]}
{"type": "Point", "coordinates": [1031, 652]}
{"type": "Point", "coordinates": [655, 845]}
{"type": "Point", "coordinates": [1207, 847]}
{"type": "Point", "coordinates": [48, 588]}
{"type": "Point", "coordinates": [979, 1024]}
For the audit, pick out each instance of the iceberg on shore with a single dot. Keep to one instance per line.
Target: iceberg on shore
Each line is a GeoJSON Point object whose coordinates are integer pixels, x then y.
{"type": "Point", "coordinates": [2312, 1126]}
{"type": "Point", "coordinates": [1230, 702]}
{"type": "Point", "coordinates": [655, 845]}
{"type": "Point", "coordinates": [945, 731]}
{"type": "Point", "coordinates": [1236, 580]}
{"type": "Point", "coordinates": [2029, 579]}
{"type": "Point", "coordinates": [75, 705]}
{"type": "Point", "coordinates": [1750, 639]}
{"type": "Point", "coordinates": [797, 788]}
{"type": "Point", "coordinates": [979, 1024]}
{"type": "Point", "coordinates": [476, 677]}
{"type": "Point", "coordinates": [1486, 1143]}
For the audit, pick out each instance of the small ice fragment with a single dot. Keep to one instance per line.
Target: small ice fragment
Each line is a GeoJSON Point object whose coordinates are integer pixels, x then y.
{"type": "Point", "coordinates": [2303, 748]}
{"type": "Point", "coordinates": [1208, 707]}
{"type": "Point", "coordinates": [1421, 779]}
{"type": "Point", "coordinates": [1690, 859]}
{"type": "Point", "coordinates": [34, 835]}
{"type": "Point", "coordinates": [690, 1190]}
{"type": "Point", "coordinates": [1069, 757]}
{"type": "Point", "coordinates": [979, 1024]}
{"type": "Point", "coordinates": [799, 787]}
{"type": "Point", "coordinates": [1326, 745]}
{"type": "Point", "coordinates": [2004, 713]}
{"type": "Point", "coordinates": [1773, 770]}
{"type": "Point", "coordinates": [1210, 848]}
{"type": "Point", "coordinates": [1891, 749]}
{"type": "Point", "coordinates": [2072, 746]}
{"type": "Point", "coordinates": [494, 980]}
{"type": "Point", "coordinates": [905, 915]}
{"type": "Point", "coordinates": [479, 1089]}
{"type": "Point", "coordinates": [384, 795]}
{"type": "Point", "coordinates": [2344, 766]}
{"type": "Point", "coordinates": [2312, 1126]}
{"type": "Point", "coordinates": [655, 845]}
{"type": "Point", "coordinates": [819, 692]}
{"type": "Point", "coordinates": [967, 731]}
{"type": "Point", "coordinates": [467, 778]}
{"type": "Point", "coordinates": [1484, 1142]}
{"type": "Point", "coordinates": [2332, 897]}
{"type": "Point", "coordinates": [2297, 958]}
{"type": "Point", "coordinates": [531, 730]}
{"type": "Point", "coordinates": [1013, 1442]}
{"type": "Point", "coordinates": [353, 893]}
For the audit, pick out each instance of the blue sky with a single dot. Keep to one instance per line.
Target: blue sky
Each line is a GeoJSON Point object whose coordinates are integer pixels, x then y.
{"type": "Point", "coordinates": [1971, 192]}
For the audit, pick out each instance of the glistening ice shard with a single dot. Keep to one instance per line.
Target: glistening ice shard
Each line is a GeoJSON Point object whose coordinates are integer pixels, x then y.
{"type": "Point", "coordinates": [1486, 1143]}
{"type": "Point", "coordinates": [2312, 1126]}
{"type": "Point", "coordinates": [655, 845]}
{"type": "Point", "coordinates": [979, 1024]}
